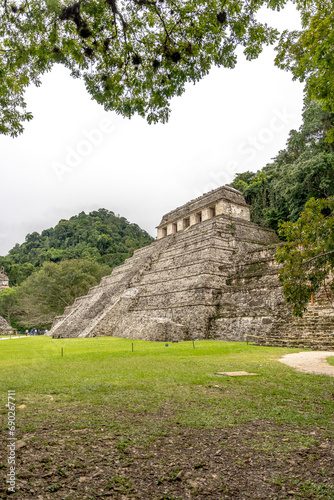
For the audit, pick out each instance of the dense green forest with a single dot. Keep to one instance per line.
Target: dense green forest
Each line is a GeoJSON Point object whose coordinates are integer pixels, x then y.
{"type": "Point", "coordinates": [46, 292]}
{"type": "Point", "coordinates": [295, 196]}
{"type": "Point", "coordinates": [100, 236]}
{"type": "Point", "coordinates": [49, 270]}
{"type": "Point", "coordinates": [303, 170]}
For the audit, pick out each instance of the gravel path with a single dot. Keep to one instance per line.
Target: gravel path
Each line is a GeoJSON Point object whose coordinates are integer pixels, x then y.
{"type": "Point", "coordinates": [310, 362]}
{"type": "Point", "coordinates": [13, 337]}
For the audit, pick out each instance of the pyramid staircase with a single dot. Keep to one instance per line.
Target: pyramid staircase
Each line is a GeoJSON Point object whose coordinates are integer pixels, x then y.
{"type": "Point", "coordinates": [214, 280]}
{"type": "Point", "coordinates": [315, 330]}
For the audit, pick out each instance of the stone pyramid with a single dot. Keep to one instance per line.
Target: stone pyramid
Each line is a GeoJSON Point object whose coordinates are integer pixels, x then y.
{"type": "Point", "coordinates": [210, 274]}
{"type": "Point", "coordinates": [5, 328]}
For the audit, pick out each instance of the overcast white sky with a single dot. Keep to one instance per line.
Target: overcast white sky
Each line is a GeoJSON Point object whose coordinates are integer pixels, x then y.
{"type": "Point", "coordinates": [74, 156]}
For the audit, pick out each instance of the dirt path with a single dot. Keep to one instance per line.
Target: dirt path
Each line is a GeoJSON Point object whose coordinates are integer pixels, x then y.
{"type": "Point", "coordinates": [310, 362]}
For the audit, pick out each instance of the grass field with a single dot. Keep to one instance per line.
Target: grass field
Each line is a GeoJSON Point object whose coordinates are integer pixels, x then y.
{"type": "Point", "coordinates": [331, 360]}
{"type": "Point", "coordinates": [108, 417]}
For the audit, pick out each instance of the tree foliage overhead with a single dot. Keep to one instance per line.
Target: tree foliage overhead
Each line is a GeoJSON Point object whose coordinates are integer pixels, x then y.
{"type": "Point", "coordinates": [100, 236]}
{"type": "Point", "coordinates": [309, 53]}
{"type": "Point", "coordinates": [134, 55]}
{"type": "Point", "coordinates": [304, 169]}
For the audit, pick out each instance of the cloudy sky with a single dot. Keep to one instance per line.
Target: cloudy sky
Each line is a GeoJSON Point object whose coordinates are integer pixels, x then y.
{"type": "Point", "coordinates": [74, 156]}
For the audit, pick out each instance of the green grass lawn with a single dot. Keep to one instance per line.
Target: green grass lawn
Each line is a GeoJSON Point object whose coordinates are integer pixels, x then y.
{"type": "Point", "coordinates": [145, 395]}
{"type": "Point", "coordinates": [331, 360]}
{"type": "Point", "coordinates": [105, 370]}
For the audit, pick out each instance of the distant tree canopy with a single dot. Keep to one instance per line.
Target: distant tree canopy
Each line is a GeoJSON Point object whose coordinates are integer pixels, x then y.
{"type": "Point", "coordinates": [304, 169]}
{"type": "Point", "coordinates": [47, 292]}
{"type": "Point", "coordinates": [49, 270]}
{"type": "Point", "coordinates": [9, 307]}
{"type": "Point", "coordinates": [98, 236]}
{"type": "Point", "coordinates": [135, 55]}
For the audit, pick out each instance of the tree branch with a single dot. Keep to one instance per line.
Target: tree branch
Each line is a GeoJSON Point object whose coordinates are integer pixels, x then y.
{"type": "Point", "coordinates": [316, 257]}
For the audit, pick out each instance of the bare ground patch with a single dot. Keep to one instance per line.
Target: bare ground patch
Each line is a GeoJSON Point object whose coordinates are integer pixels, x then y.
{"type": "Point", "coordinates": [78, 451]}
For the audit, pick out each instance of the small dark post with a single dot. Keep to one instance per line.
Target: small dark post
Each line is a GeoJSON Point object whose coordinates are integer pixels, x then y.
{"type": "Point", "coordinates": [193, 345]}
{"type": "Point", "coordinates": [132, 346]}
{"type": "Point", "coordinates": [62, 351]}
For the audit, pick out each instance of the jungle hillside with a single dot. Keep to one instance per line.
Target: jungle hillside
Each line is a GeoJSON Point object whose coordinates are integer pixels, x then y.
{"type": "Point", "coordinates": [50, 269]}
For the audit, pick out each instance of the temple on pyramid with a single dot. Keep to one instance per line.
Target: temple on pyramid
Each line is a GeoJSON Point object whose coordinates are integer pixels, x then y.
{"type": "Point", "coordinates": [4, 281]}
{"type": "Point", "coordinates": [210, 274]}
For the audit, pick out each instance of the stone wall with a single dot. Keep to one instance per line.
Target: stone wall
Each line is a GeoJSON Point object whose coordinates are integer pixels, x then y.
{"type": "Point", "coordinates": [315, 330]}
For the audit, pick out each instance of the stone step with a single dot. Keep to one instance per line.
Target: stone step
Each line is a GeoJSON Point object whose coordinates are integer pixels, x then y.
{"type": "Point", "coordinates": [312, 326]}
{"type": "Point", "coordinates": [307, 344]}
